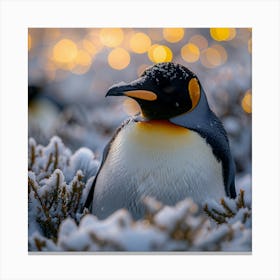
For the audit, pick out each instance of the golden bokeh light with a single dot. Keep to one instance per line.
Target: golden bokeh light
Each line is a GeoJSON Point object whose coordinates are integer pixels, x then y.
{"type": "Point", "coordinates": [200, 41]}
{"type": "Point", "coordinates": [94, 37]}
{"type": "Point", "coordinates": [210, 58]}
{"type": "Point", "coordinates": [111, 37]}
{"type": "Point", "coordinates": [246, 102]}
{"type": "Point", "coordinates": [82, 62]}
{"type": "Point", "coordinates": [190, 52]}
{"type": "Point", "coordinates": [222, 34]}
{"type": "Point", "coordinates": [222, 52]}
{"type": "Point", "coordinates": [67, 56]}
{"type": "Point", "coordinates": [65, 51]}
{"type": "Point", "coordinates": [29, 42]}
{"type": "Point", "coordinates": [151, 51]}
{"type": "Point", "coordinates": [89, 47]}
{"type": "Point", "coordinates": [119, 58]}
{"type": "Point", "coordinates": [67, 66]}
{"type": "Point", "coordinates": [173, 35]}
{"type": "Point", "coordinates": [160, 53]}
{"type": "Point", "coordinates": [80, 69]}
{"type": "Point", "coordinates": [83, 58]}
{"type": "Point", "coordinates": [213, 56]}
{"type": "Point", "coordinates": [140, 42]}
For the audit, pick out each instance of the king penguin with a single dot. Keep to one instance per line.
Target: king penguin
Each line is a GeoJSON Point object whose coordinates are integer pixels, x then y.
{"type": "Point", "coordinates": [174, 149]}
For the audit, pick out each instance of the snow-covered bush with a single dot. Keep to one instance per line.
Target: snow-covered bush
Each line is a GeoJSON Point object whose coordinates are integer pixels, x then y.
{"type": "Point", "coordinates": [59, 181]}
{"type": "Point", "coordinates": [57, 184]}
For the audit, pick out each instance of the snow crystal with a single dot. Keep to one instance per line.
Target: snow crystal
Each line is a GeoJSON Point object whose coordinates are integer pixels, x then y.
{"type": "Point", "coordinates": [37, 242]}
{"type": "Point", "coordinates": [67, 227]}
{"type": "Point", "coordinates": [78, 241]}
{"type": "Point", "coordinates": [208, 242]}
{"type": "Point", "coordinates": [112, 224]}
{"type": "Point", "coordinates": [240, 216]}
{"type": "Point", "coordinates": [139, 238]}
{"type": "Point", "coordinates": [241, 241]}
{"type": "Point", "coordinates": [55, 141]}
{"type": "Point", "coordinates": [32, 176]}
{"type": "Point", "coordinates": [56, 179]}
{"type": "Point", "coordinates": [151, 204]}
{"type": "Point", "coordinates": [231, 203]}
{"type": "Point", "coordinates": [213, 204]}
{"type": "Point", "coordinates": [88, 221]}
{"type": "Point", "coordinates": [167, 71]}
{"type": "Point", "coordinates": [119, 229]}
{"type": "Point", "coordinates": [245, 183]}
{"type": "Point", "coordinates": [165, 228]}
{"type": "Point", "coordinates": [169, 216]}
{"type": "Point", "coordinates": [31, 142]}
{"type": "Point", "coordinates": [53, 156]}
{"type": "Point", "coordinates": [83, 159]}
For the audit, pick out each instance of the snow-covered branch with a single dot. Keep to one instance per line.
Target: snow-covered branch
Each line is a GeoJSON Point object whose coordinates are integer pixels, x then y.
{"type": "Point", "coordinates": [58, 182]}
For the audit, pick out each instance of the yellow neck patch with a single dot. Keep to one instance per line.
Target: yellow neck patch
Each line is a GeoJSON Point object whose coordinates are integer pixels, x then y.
{"type": "Point", "coordinates": [157, 136]}
{"type": "Point", "coordinates": [194, 92]}
{"type": "Point", "coordinates": [160, 127]}
{"type": "Point", "coordinates": [142, 94]}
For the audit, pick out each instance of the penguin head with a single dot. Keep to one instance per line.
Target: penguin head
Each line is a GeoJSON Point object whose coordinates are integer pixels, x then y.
{"type": "Point", "coordinates": [163, 91]}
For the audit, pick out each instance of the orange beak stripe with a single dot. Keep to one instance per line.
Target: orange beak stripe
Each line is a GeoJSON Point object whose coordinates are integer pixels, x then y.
{"type": "Point", "coordinates": [141, 94]}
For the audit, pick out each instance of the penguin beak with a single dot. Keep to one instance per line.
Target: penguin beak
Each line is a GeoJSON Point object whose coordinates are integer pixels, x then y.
{"type": "Point", "coordinates": [137, 89]}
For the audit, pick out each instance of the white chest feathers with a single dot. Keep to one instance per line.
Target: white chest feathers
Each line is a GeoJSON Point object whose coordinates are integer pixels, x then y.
{"type": "Point", "coordinates": [160, 160]}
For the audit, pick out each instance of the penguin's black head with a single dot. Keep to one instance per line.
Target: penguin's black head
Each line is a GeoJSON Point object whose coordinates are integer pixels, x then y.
{"type": "Point", "coordinates": [163, 91]}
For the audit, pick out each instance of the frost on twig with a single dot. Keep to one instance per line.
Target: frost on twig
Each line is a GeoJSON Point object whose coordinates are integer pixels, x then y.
{"type": "Point", "coordinates": [228, 209]}
{"type": "Point", "coordinates": [171, 228]}
{"type": "Point", "coordinates": [58, 182]}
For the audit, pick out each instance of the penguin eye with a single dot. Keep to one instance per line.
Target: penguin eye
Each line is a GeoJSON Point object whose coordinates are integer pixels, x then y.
{"type": "Point", "coordinates": [194, 91]}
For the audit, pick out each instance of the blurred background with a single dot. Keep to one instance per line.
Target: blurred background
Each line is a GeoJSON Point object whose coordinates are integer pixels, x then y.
{"type": "Point", "coordinates": [71, 69]}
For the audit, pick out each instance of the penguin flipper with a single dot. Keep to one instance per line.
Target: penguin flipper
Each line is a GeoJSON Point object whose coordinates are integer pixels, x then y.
{"type": "Point", "coordinates": [88, 202]}
{"type": "Point", "coordinates": [211, 128]}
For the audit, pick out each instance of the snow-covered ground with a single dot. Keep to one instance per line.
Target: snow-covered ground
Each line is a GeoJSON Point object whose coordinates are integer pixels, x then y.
{"type": "Point", "coordinates": [58, 182]}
